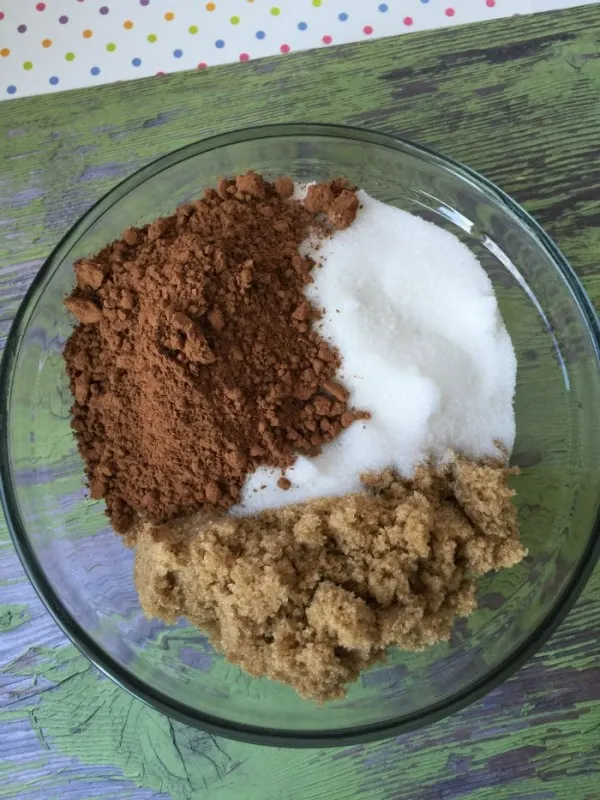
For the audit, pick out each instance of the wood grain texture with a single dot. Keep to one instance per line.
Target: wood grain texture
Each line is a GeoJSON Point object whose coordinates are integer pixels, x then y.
{"type": "Point", "coordinates": [517, 99]}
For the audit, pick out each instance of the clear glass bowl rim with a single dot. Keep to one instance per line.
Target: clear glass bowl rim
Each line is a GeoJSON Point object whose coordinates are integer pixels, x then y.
{"type": "Point", "coordinates": [79, 637]}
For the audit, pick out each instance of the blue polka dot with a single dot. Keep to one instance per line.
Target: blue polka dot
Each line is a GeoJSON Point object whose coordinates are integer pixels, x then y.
{"type": "Point", "coordinates": [383, 7]}
{"type": "Point", "coordinates": [95, 70]}
{"type": "Point", "coordinates": [343, 16]}
{"type": "Point", "coordinates": [11, 89]}
{"type": "Point", "coordinates": [53, 80]}
{"type": "Point", "coordinates": [219, 43]}
{"type": "Point", "coordinates": [302, 26]}
{"type": "Point", "coordinates": [178, 53]}
{"type": "Point", "coordinates": [136, 62]}
{"type": "Point", "coordinates": [424, 2]}
{"type": "Point", "coordinates": [259, 35]}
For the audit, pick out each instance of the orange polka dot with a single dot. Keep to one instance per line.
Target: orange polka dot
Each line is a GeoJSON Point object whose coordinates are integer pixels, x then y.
{"type": "Point", "coordinates": [210, 6]}
{"type": "Point", "coordinates": [169, 16]}
{"type": "Point", "coordinates": [87, 34]}
{"type": "Point", "coordinates": [128, 24]}
{"type": "Point", "coordinates": [46, 42]}
{"type": "Point", "coordinates": [4, 52]}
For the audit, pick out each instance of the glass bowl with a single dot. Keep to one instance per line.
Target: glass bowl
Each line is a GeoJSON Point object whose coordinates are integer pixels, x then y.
{"type": "Point", "coordinates": [82, 570]}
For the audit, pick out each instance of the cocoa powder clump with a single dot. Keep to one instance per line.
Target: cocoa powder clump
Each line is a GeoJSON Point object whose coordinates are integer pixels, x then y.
{"type": "Point", "coordinates": [195, 360]}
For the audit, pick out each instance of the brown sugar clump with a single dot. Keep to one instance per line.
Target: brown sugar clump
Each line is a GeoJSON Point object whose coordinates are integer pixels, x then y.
{"type": "Point", "coordinates": [311, 594]}
{"type": "Point", "coordinates": [195, 361]}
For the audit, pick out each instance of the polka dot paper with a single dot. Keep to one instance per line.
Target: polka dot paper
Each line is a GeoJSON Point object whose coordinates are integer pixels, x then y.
{"type": "Point", "coordinates": [63, 44]}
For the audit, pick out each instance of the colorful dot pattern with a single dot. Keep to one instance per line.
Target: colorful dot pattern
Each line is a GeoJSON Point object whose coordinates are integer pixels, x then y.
{"type": "Point", "coordinates": [54, 45]}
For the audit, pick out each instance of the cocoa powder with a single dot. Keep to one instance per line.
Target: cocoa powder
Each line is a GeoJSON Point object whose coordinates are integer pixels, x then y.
{"type": "Point", "coordinates": [195, 360]}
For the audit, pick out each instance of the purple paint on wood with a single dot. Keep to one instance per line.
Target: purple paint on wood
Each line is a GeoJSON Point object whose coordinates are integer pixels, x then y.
{"type": "Point", "coordinates": [196, 659]}
{"type": "Point", "coordinates": [103, 171]}
{"type": "Point", "coordinates": [23, 198]}
{"type": "Point", "coordinates": [159, 119]}
{"type": "Point", "coordinates": [458, 764]}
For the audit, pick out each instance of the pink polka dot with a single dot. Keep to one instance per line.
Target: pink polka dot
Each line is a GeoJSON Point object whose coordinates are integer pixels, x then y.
{"type": "Point", "coordinates": [1, 14]}
{"type": "Point", "coordinates": [244, 56]}
{"type": "Point", "coordinates": [367, 30]}
{"type": "Point", "coordinates": [285, 48]}
{"type": "Point", "coordinates": [450, 12]}
{"type": "Point", "coordinates": [201, 65]}
{"type": "Point", "coordinates": [160, 72]}
{"type": "Point", "coordinates": [408, 20]}
{"type": "Point", "coordinates": [490, 3]}
{"type": "Point", "coordinates": [327, 39]}
{"type": "Point", "coordinates": [40, 6]}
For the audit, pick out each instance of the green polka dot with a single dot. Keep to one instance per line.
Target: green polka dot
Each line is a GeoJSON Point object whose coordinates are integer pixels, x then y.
{"type": "Point", "coordinates": [235, 20]}
{"type": "Point", "coordinates": [193, 29]}
{"type": "Point", "coordinates": [316, 3]}
{"type": "Point", "coordinates": [275, 11]}
{"type": "Point", "coordinates": [70, 56]}
{"type": "Point", "coordinates": [27, 65]}
{"type": "Point", "coordinates": [111, 47]}
{"type": "Point", "coordinates": [152, 38]}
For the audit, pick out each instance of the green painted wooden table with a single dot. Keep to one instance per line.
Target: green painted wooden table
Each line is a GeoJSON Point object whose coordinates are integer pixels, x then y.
{"type": "Point", "coordinates": [518, 100]}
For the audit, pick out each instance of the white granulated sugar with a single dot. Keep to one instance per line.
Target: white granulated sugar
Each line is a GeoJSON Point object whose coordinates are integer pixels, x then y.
{"type": "Point", "coordinates": [423, 348]}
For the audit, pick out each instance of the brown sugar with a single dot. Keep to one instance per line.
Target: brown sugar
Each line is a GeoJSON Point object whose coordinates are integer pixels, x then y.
{"type": "Point", "coordinates": [194, 361]}
{"type": "Point", "coordinates": [311, 594]}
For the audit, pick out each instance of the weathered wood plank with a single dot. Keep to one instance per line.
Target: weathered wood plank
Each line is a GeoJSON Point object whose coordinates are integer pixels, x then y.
{"type": "Point", "coordinates": [517, 99]}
